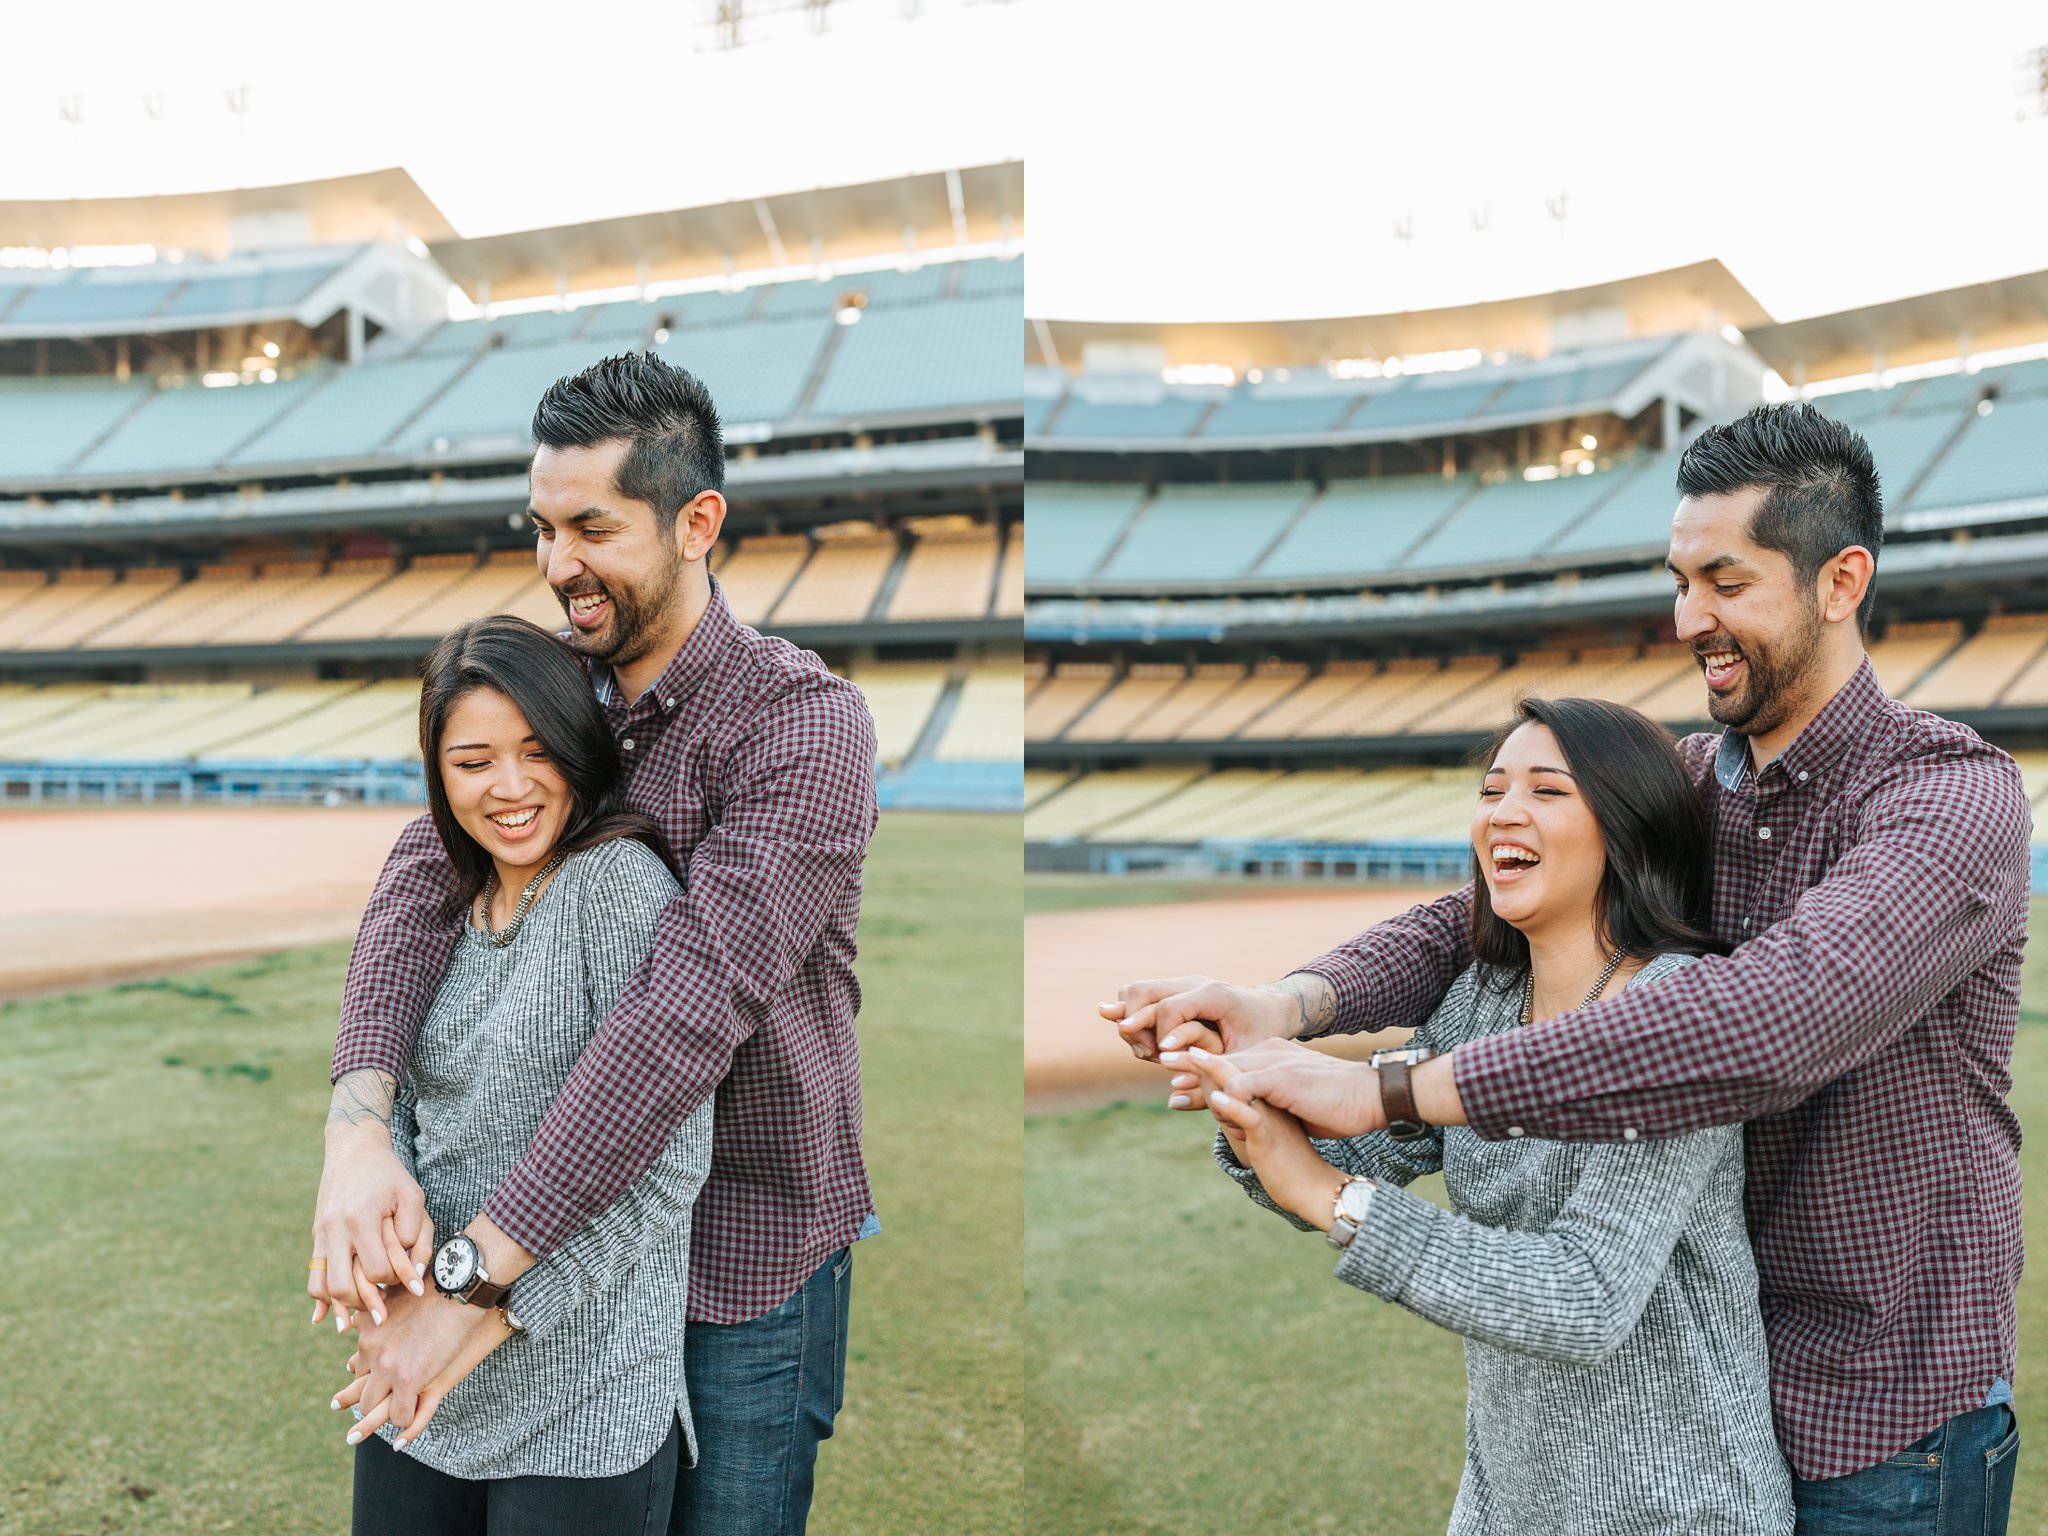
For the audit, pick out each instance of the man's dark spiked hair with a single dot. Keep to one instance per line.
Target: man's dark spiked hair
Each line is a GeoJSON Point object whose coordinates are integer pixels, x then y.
{"type": "Point", "coordinates": [675, 450]}
{"type": "Point", "coordinates": [1820, 486]}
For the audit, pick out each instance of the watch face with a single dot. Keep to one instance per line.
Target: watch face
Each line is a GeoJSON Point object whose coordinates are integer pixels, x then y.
{"type": "Point", "coordinates": [1356, 1197]}
{"type": "Point", "coordinates": [455, 1264]}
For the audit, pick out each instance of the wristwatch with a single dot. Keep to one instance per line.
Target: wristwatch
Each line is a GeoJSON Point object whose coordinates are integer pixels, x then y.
{"type": "Point", "coordinates": [1397, 1094]}
{"type": "Point", "coordinates": [1354, 1199]}
{"type": "Point", "coordinates": [459, 1273]}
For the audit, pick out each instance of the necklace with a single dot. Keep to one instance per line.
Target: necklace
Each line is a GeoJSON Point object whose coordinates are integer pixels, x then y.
{"type": "Point", "coordinates": [1606, 974]}
{"type": "Point", "coordinates": [505, 935]}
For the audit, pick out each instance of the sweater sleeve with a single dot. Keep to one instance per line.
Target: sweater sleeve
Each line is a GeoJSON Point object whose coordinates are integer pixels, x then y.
{"type": "Point", "coordinates": [625, 892]}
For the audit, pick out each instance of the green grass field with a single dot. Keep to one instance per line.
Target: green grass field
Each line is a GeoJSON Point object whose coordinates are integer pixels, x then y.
{"type": "Point", "coordinates": [161, 1144]}
{"type": "Point", "coordinates": [1200, 1372]}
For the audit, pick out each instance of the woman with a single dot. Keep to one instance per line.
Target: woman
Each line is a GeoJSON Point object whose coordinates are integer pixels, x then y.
{"type": "Point", "coordinates": [572, 1419]}
{"type": "Point", "coordinates": [1614, 1352]}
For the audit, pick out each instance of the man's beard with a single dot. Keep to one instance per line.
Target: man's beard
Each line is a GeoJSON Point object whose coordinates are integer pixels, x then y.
{"type": "Point", "coordinates": [1774, 678]}
{"type": "Point", "coordinates": [636, 617]}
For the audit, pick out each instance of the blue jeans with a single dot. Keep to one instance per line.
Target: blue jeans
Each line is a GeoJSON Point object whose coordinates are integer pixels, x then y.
{"type": "Point", "coordinates": [762, 1395]}
{"type": "Point", "coordinates": [1956, 1481]}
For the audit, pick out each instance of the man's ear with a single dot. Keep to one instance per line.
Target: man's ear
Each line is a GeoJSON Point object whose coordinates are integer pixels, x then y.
{"type": "Point", "coordinates": [1843, 582]}
{"type": "Point", "coordinates": [698, 525]}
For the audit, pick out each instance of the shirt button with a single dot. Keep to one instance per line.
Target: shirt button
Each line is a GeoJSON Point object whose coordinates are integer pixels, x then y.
{"type": "Point", "coordinates": [1514, 1130]}
{"type": "Point", "coordinates": [1762, 832]}
{"type": "Point", "coordinates": [1802, 778]}
{"type": "Point", "coordinates": [1630, 1134]}
{"type": "Point", "coordinates": [671, 704]}
{"type": "Point", "coordinates": [628, 745]}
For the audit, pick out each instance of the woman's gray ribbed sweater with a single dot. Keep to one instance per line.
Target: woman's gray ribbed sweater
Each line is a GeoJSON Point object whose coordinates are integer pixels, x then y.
{"type": "Point", "coordinates": [592, 1386]}
{"type": "Point", "coordinates": [1618, 1378]}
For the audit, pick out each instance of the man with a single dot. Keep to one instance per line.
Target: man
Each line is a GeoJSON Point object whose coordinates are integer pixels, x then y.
{"type": "Point", "coordinates": [1872, 871]}
{"type": "Point", "coordinates": [759, 766]}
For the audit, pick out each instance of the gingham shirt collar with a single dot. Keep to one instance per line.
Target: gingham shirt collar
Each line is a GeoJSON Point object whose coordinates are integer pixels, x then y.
{"type": "Point", "coordinates": [686, 670]}
{"type": "Point", "coordinates": [1856, 709]}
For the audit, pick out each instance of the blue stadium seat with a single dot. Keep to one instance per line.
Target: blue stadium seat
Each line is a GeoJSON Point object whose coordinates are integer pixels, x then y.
{"type": "Point", "coordinates": [46, 423]}
{"type": "Point", "coordinates": [756, 372]}
{"type": "Point", "coordinates": [2000, 457]}
{"type": "Point", "coordinates": [960, 352]}
{"type": "Point", "coordinates": [89, 298]}
{"type": "Point", "coordinates": [193, 427]}
{"type": "Point", "coordinates": [1446, 401]}
{"type": "Point", "coordinates": [1904, 446]}
{"type": "Point", "coordinates": [1249, 413]}
{"type": "Point", "coordinates": [269, 289]}
{"type": "Point", "coordinates": [1072, 527]}
{"type": "Point", "coordinates": [1363, 527]}
{"type": "Point", "coordinates": [1204, 532]}
{"type": "Point", "coordinates": [1565, 388]}
{"type": "Point", "coordinates": [1173, 416]}
{"type": "Point", "coordinates": [979, 278]}
{"type": "Point", "coordinates": [354, 413]}
{"type": "Point", "coordinates": [1510, 521]}
{"type": "Point", "coordinates": [1636, 519]}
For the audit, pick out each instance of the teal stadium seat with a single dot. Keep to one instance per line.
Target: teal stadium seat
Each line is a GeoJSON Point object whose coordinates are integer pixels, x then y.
{"type": "Point", "coordinates": [46, 423]}
{"type": "Point", "coordinates": [1172, 416]}
{"type": "Point", "coordinates": [1204, 532]}
{"type": "Point", "coordinates": [1249, 413]}
{"type": "Point", "coordinates": [1904, 446]}
{"type": "Point", "coordinates": [978, 279]}
{"type": "Point", "coordinates": [354, 413]}
{"type": "Point", "coordinates": [697, 311]}
{"type": "Point", "coordinates": [2001, 457]}
{"type": "Point", "coordinates": [1444, 401]}
{"type": "Point", "coordinates": [539, 327]}
{"type": "Point", "coordinates": [242, 293]}
{"type": "Point", "coordinates": [1363, 527]}
{"type": "Point", "coordinates": [757, 371]}
{"type": "Point", "coordinates": [1856, 407]}
{"type": "Point", "coordinates": [1036, 410]}
{"type": "Point", "coordinates": [1566, 388]}
{"type": "Point", "coordinates": [1511, 521]}
{"type": "Point", "coordinates": [907, 357]}
{"type": "Point", "coordinates": [494, 398]}
{"type": "Point", "coordinates": [1072, 527]}
{"type": "Point", "coordinates": [626, 326]}
{"type": "Point", "coordinates": [193, 427]}
{"type": "Point", "coordinates": [90, 299]}
{"type": "Point", "coordinates": [1636, 519]}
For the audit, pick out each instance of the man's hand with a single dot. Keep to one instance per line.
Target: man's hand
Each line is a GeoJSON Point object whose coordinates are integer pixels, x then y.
{"type": "Point", "coordinates": [410, 1363]}
{"type": "Point", "coordinates": [370, 1220]}
{"type": "Point", "coordinates": [1331, 1097]}
{"type": "Point", "coordinates": [1275, 1146]}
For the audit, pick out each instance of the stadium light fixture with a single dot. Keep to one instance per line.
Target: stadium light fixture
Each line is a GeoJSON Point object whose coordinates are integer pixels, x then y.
{"type": "Point", "coordinates": [1589, 442]}
{"type": "Point", "coordinates": [1586, 466]}
{"type": "Point", "coordinates": [1540, 472]}
{"type": "Point", "coordinates": [270, 349]}
{"type": "Point", "coordinates": [268, 375]}
{"type": "Point", "coordinates": [1983, 407]}
{"type": "Point", "coordinates": [661, 336]}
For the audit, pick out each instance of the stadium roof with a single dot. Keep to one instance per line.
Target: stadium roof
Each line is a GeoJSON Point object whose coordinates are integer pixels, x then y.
{"type": "Point", "coordinates": [1704, 295]}
{"type": "Point", "coordinates": [973, 205]}
{"type": "Point", "coordinates": [371, 207]}
{"type": "Point", "coordinates": [1982, 317]}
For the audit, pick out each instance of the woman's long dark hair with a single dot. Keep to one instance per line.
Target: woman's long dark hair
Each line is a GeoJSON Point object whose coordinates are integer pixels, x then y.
{"type": "Point", "coordinates": [546, 681]}
{"type": "Point", "coordinates": [1656, 892]}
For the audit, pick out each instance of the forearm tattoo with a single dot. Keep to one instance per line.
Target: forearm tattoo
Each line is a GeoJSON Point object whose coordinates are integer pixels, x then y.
{"type": "Point", "coordinates": [362, 1097]}
{"type": "Point", "coordinates": [1314, 998]}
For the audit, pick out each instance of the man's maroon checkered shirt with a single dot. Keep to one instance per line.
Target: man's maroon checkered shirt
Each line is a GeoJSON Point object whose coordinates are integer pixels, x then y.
{"type": "Point", "coordinates": [760, 767]}
{"type": "Point", "coordinates": [1876, 879]}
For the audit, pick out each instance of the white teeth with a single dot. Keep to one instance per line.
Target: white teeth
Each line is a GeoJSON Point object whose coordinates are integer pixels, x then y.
{"type": "Point", "coordinates": [586, 602]}
{"type": "Point", "coordinates": [517, 818]}
{"type": "Point", "coordinates": [1507, 853]}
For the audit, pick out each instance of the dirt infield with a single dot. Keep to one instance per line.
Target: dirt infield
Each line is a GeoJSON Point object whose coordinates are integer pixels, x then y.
{"type": "Point", "coordinates": [1074, 959]}
{"type": "Point", "coordinates": [106, 894]}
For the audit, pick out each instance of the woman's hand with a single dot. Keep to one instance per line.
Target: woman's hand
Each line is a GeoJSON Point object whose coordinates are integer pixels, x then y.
{"type": "Point", "coordinates": [409, 1364]}
{"type": "Point", "coordinates": [1332, 1097]}
{"type": "Point", "coordinates": [1274, 1144]}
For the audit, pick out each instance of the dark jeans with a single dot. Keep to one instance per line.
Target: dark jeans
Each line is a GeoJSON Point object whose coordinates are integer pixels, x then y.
{"type": "Point", "coordinates": [396, 1496]}
{"type": "Point", "coordinates": [762, 1395]}
{"type": "Point", "coordinates": [1956, 1481]}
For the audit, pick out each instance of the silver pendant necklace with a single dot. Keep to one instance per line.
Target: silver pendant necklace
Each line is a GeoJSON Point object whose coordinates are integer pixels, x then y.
{"type": "Point", "coordinates": [1606, 974]}
{"type": "Point", "coordinates": [503, 936]}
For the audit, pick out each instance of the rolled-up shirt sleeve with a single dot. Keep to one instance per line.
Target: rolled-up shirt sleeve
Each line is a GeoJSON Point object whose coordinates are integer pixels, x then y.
{"type": "Point", "coordinates": [401, 955]}
{"type": "Point", "coordinates": [798, 810]}
{"type": "Point", "coordinates": [1932, 886]}
{"type": "Point", "coordinates": [1394, 974]}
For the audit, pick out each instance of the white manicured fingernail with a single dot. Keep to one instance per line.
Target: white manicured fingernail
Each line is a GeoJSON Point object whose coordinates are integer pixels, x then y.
{"type": "Point", "coordinates": [1196, 1050]}
{"type": "Point", "coordinates": [335, 1404]}
{"type": "Point", "coordinates": [1216, 1097]}
{"type": "Point", "coordinates": [1178, 1101]}
{"type": "Point", "coordinates": [354, 1435]}
{"type": "Point", "coordinates": [316, 1312]}
{"type": "Point", "coordinates": [339, 1325]}
{"type": "Point", "coordinates": [377, 1318]}
{"type": "Point", "coordinates": [416, 1288]}
{"type": "Point", "coordinates": [420, 1270]}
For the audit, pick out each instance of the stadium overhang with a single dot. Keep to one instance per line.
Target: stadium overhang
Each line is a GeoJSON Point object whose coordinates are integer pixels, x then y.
{"type": "Point", "coordinates": [1928, 327]}
{"type": "Point", "coordinates": [1702, 296]}
{"type": "Point", "coordinates": [372, 207]}
{"type": "Point", "coordinates": [975, 205]}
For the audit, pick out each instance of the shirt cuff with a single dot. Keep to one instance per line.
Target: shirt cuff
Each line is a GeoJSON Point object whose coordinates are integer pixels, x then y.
{"type": "Point", "coordinates": [541, 1298]}
{"type": "Point", "coordinates": [534, 1214]}
{"type": "Point", "coordinates": [1390, 1242]}
{"type": "Point", "coordinates": [1353, 982]}
{"type": "Point", "coordinates": [370, 1043]}
{"type": "Point", "coordinates": [1248, 1181]}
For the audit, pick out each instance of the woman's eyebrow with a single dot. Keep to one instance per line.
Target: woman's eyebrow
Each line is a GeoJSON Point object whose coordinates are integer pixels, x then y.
{"type": "Point", "coordinates": [1538, 768]}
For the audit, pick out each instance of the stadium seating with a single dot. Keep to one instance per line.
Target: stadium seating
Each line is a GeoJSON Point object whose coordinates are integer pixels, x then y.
{"type": "Point", "coordinates": [1444, 401]}
{"type": "Point", "coordinates": [82, 603]}
{"type": "Point", "coordinates": [1303, 710]}
{"type": "Point", "coordinates": [948, 575]}
{"type": "Point", "coordinates": [1907, 651]}
{"type": "Point", "coordinates": [1051, 705]}
{"type": "Point", "coordinates": [1200, 810]}
{"type": "Point", "coordinates": [1186, 711]}
{"type": "Point", "coordinates": [193, 427]}
{"type": "Point", "coordinates": [988, 716]}
{"type": "Point", "coordinates": [1979, 671]}
{"type": "Point", "coordinates": [1204, 532]}
{"type": "Point", "coordinates": [1097, 800]}
{"type": "Point", "coordinates": [1010, 582]}
{"type": "Point", "coordinates": [1120, 712]}
{"type": "Point", "coordinates": [390, 603]}
{"type": "Point", "coordinates": [46, 423]}
{"type": "Point", "coordinates": [1510, 521]}
{"type": "Point", "coordinates": [2001, 457]}
{"type": "Point", "coordinates": [507, 582]}
{"type": "Point", "coordinates": [353, 413]}
{"type": "Point", "coordinates": [901, 696]}
{"type": "Point", "coordinates": [840, 582]}
{"type": "Point", "coordinates": [1073, 527]}
{"type": "Point", "coordinates": [2029, 687]}
{"type": "Point", "coordinates": [1280, 412]}
{"type": "Point", "coordinates": [756, 574]}
{"type": "Point", "coordinates": [957, 353]}
{"type": "Point", "coordinates": [1903, 448]}
{"type": "Point", "coordinates": [757, 372]}
{"type": "Point", "coordinates": [1170, 416]}
{"type": "Point", "coordinates": [1038, 784]}
{"type": "Point", "coordinates": [1557, 389]}
{"type": "Point", "coordinates": [1362, 526]}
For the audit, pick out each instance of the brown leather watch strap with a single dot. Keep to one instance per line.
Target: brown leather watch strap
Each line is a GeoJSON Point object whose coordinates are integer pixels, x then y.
{"type": "Point", "coordinates": [484, 1293]}
{"type": "Point", "coordinates": [1397, 1098]}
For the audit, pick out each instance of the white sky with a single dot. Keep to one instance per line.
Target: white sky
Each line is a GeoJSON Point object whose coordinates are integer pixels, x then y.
{"type": "Point", "coordinates": [1249, 161]}
{"type": "Point", "coordinates": [509, 116]}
